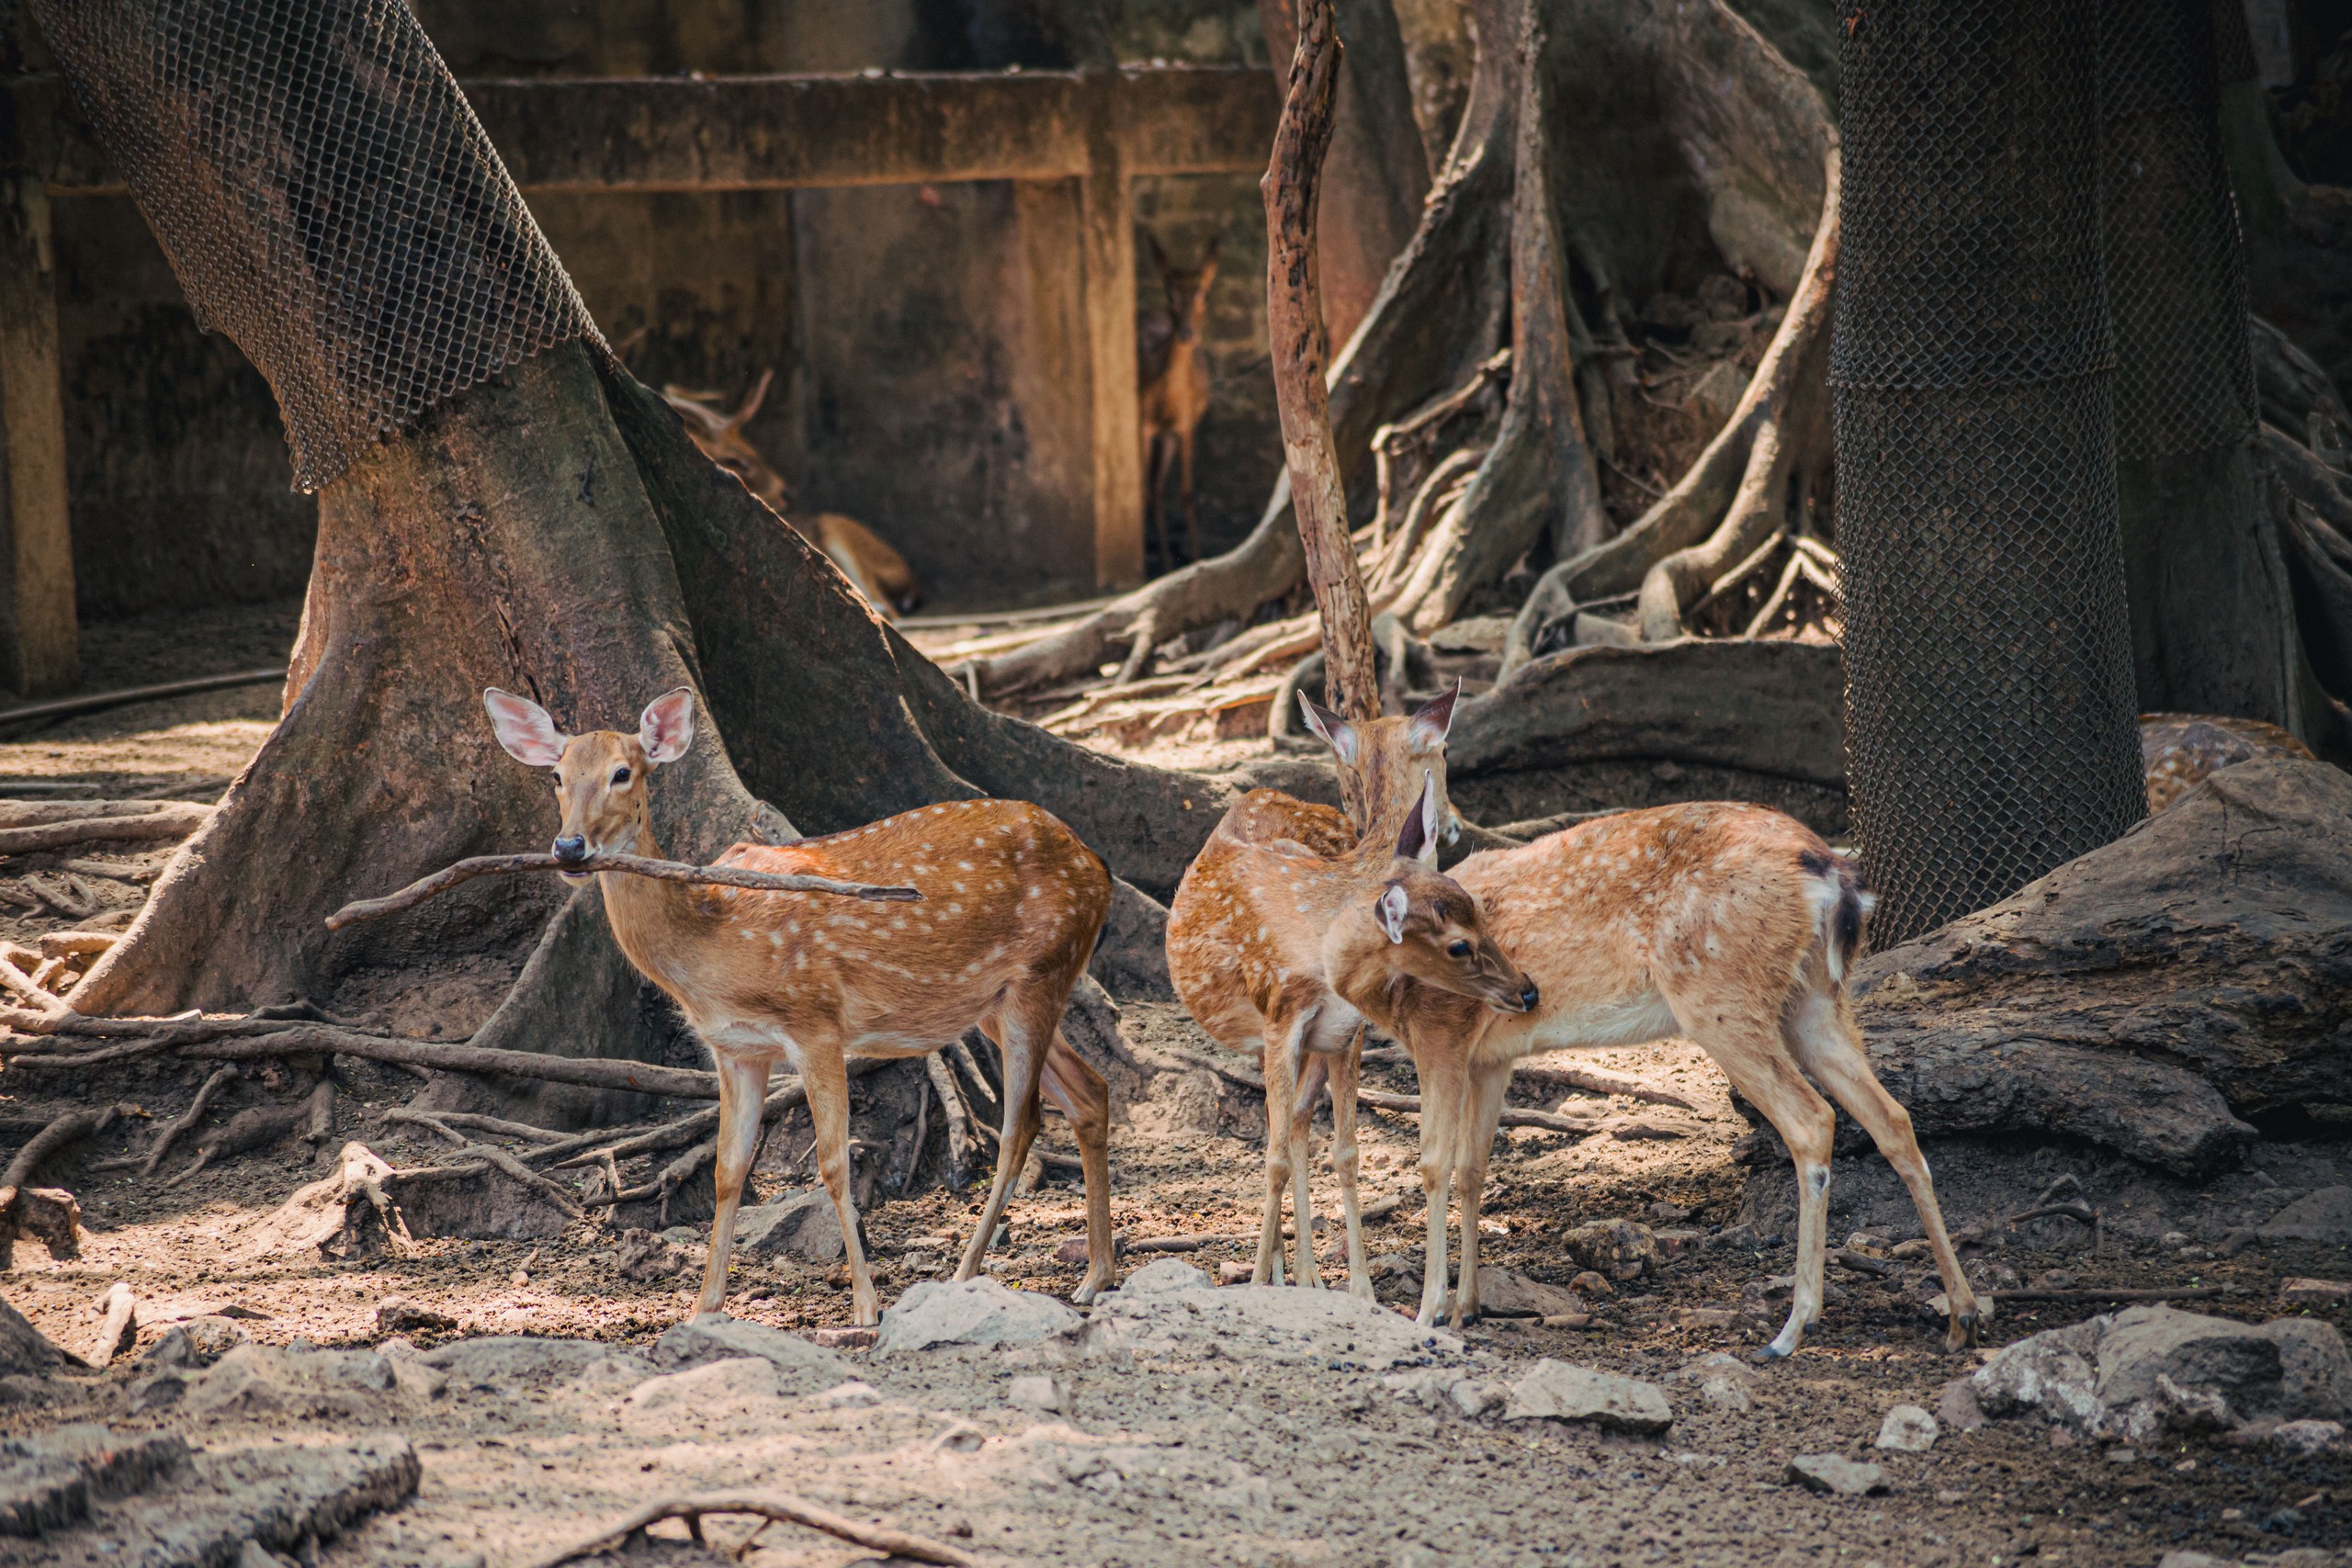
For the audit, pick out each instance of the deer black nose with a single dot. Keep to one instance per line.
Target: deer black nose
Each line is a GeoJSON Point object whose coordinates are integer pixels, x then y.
{"type": "Point", "coordinates": [1526, 998]}
{"type": "Point", "coordinates": [572, 846]}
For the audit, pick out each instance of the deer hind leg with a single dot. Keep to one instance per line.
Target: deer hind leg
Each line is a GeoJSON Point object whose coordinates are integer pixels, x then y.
{"type": "Point", "coordinates": [742, 1094]}
{"type": "Point", "coordinates": [1281, 1065]}
{"type": "Point", "coordinates": [1154, 479]}
{"type": "Point", "coordinates": [1071, 1082]}
{"type": "Point", "coordinates": [1023, 1031]}
{"type": "Point", "coordinates": [1314, 1072]}
{"type": "Point", "coordinates": [1347, 1070]}
{"type": "Point", "coordinates": [1481, 1112]}
{"type": "Point", "coordinates": [1756, 1060]}
{"type": "Point", "coordinates": [1821, 1033]}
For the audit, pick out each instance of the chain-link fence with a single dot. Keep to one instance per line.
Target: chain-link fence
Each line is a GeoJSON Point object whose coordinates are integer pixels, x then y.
{"type": "Point", "coordinates": [325, 196]}
{"type": "Point", "coordinates": [1988, 657]}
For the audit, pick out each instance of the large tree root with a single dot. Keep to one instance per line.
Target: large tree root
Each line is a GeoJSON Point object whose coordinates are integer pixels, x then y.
{"type": "Point", "coordinates": [781, 1506]}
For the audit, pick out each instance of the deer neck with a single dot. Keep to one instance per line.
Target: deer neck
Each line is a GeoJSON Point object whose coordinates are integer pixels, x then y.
{"type": "Point", "coordinates": [644, 910]}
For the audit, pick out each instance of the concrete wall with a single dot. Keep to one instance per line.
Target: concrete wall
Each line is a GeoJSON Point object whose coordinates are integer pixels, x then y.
{"type": "Point", "coordinates": [928, 366]}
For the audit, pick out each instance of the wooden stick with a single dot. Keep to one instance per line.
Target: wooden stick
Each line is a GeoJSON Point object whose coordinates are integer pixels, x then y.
{"type": "Point", "coordinates": [781, 1506]}
{"type": "Point", "coordinates": [502, 1127]}
{"type": "Point", "coordinates": [170, 1130]}
{"type": "Point", "coordinates": [568, 1202]}
{"type": "Point", "coordinates": [449, 877]}
{"type": "Point", "coordinates": [1410, 1104]}
{"type": "Point", "coordinates": [1301, 353]}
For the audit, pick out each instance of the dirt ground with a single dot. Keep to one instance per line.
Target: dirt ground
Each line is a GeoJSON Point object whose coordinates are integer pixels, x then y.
{"type": "Point", "coordinates": [1159, 1462]}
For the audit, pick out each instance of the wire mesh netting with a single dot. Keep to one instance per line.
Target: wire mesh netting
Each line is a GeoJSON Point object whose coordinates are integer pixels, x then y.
{"type": "Point", "coordinates": [2175, 277]}
{"type": "Point", "coordinates": [327, 200]}
{"type": "Point", "coordinates": [1990, 728]}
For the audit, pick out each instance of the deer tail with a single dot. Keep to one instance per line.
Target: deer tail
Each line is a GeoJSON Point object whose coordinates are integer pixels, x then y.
{"type": "Point", "coordinates": [1834, 887]}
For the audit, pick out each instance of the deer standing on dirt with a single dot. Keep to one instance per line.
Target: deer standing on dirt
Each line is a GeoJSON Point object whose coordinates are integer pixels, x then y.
{"type": "Point", "coordinates": [873, 568]}
{"type": "Point", "coordinates": [1011, 904]}
{"type": "Point", "coordinates": [1284, 895]}
{"type": "Point", "coordinates": [1172, 392]}
{"type": "Point", "coordinates": [1730, 925]}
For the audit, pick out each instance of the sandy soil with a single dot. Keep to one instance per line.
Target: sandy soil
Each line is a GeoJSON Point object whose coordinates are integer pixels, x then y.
{"type": "Point", "coordinates": [1165, 1462]}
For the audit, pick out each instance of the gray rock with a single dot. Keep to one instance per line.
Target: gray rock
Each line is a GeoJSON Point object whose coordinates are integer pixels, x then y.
{"type": "Point", "coordinates": [256, 1380]}
{"type": "Point", "coordinates": [713, 1336]}
{"type": "Point", "coordinates": [1558, 1392]}
{"type": "Point", "coordinates": [398, 1315]}
{"type": "Point", "coordinates": [2155, 1369]}
{"type": "Point", "coordinates": [24, 1351]}
{"type": "Point", "coordinates": [1724, 1381]}
{"type": "Point", "coordinates": [1619, 1248]}
{"type": "Point", "coordinates": [202, 1512]}
{"type": "Point", "coordinates": [47, 1481]}
{"type": "Point", "coordinates": [1957, 1408]}
{"type": "Point", "coordinates": [1164, 1274]}
{"type": "Point", "coordinates": [1908, 1429]}
{"type": "Point", "coordinates": [1037, 1393]}
{"type": "Point", "coordinates": [1507, 1293]}
{"type": "Point", "coordinates": [732, 1390]}
{"type": "Point", "coordinates": [198, 1342]}
{"type": "Point", "coordinates": [971, 1314]}
{"type": "Point", "coordinates": [2322, 1216]}
{"type": "Point", "coordinates": [2308, 1437]}
{"type": "Point", "coordinates": [1180, 1317]}
{"type": "Point", "coordinates": [803, 1225]}
{"type": "Point", "coordinates": [504, 1363]}
{"type": "Point", "coordinates": [1837, 1475]}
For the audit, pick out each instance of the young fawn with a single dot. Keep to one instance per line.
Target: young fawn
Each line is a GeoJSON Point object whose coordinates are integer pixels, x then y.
{"type": "Point", "coordinates": [1730, 925]}
{"type": "Point", "coordinates": [1172, 392]}
{"type": "Point", "coordinates": [873, 568]}
{"type": "Point", "coordinates": [1012, 903]}
{"type": "Point", "coordinates": [1283, 897]}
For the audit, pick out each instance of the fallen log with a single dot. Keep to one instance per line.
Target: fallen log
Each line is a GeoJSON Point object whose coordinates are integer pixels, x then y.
{"type": "Point", "coordinates": [160, 819]}
{"type": "Point", "coordinates": [465, 871]}
{"type": "Point", "coordinates": [2149, 997]}
{"type": "Point", "coordinates": [781, 1506]}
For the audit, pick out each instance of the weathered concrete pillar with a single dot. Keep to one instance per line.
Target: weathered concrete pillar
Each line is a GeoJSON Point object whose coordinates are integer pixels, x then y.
{"type": "Point", "coordinates": [1107, 243]}
{"type": "Point", "coordinates": [39, 648]}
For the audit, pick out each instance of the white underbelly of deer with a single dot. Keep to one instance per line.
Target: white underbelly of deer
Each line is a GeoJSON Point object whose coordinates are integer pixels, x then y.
{"type": "Point", "coordinates": [1619, 1020]}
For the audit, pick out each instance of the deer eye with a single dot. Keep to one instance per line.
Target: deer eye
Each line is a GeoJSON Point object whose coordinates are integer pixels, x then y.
{"type": "Point", "coordinates": [620, 775]}
{"type": "Point", "coordinates": [1460, 950]}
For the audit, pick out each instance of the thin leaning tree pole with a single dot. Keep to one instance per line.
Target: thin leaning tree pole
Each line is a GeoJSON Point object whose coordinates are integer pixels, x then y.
{"type": "Point", "coordinates": [1302, 352]}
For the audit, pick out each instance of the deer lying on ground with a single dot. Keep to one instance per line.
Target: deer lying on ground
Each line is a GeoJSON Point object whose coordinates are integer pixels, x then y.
{"type": "Point", "coordinates": [1730, 925]}
{"type": "Point", "coordinates": [1283, 898]}
{"type": "Point", "coordinates": [873, 568]}
{"type": "Point", "coordinates": [1012, 903]}
{"type": "Point", "coordinates": [1172, 392]}
{"type": "Point", "coordinates": [2180, 751]}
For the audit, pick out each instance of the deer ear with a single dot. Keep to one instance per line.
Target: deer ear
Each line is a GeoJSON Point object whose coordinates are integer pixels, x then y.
{"type": "Point", "coordinates": [1337, 732]}
{"type": "Point", "coordinates": [1417, 839]}
{"type": "Point", "coordinates": [666, 727]}
{"type": "Point", "coordinates": [1435, 717]}
{"type": "Point", "coordinates": [742, 416]}
{"type": "Point", "coordinates": [524, 728]}
{"type": "Point", "coordinates": [1389, 910]}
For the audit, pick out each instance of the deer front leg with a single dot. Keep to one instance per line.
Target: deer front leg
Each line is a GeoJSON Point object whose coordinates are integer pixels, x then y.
{"type": "Point", "coordinates": [1184, 481]}
{"type": "Point", "coordinates": [1281, 1068]}
{"type": "Point", "coordinates": [1347, 1071]}
{"type": "Point", "coordinates": [1482, 1113]}
{"type": "Point", "coordinates": [826, 1079]}
{"type": "Point", "coordinates": [1442, 1093]}
{"type": "Point", "coordinates": [742, 1094]}
{"type": "Point", "coordinates": [1071, 1082]}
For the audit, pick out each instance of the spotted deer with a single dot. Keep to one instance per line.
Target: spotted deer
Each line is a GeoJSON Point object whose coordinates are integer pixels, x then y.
{"type": "Point", "coordinates": [1173, 391]}
{"type": "Point", "coordinates": [874, 568]}
{"type": "Point", "coordinates": [1282, 894]}
{"type": "Point", "coordinates": [2180, 751]}
{"type": "Point", "coordinates": [1011, 904]}
{"type": "Point", "coordinates": [1730, 925]}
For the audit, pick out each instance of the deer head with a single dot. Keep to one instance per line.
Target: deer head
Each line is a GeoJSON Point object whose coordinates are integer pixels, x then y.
{"type": "Point", "coordinates": [1426, 927]}
{"type": "Point", "coordinates": [600, 777]}
{"type": "Point", "coordinates": [1391, 758]}
{"type": "Point", "coordinates": [720, 437]}
{"type": "Point", "coordinates": [1188, 287]}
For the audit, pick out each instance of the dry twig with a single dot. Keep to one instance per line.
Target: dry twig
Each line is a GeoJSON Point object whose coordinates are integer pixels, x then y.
{"type": "Point", "coordinates": [465, 871]}
{"type": "Point", "coordinates": [781, 1506]}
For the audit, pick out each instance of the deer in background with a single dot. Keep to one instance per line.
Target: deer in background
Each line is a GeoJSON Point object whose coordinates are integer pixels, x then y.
{"type": "Point", "coordinates": [1730, 925]}
{"type": "Point", "coordinates": [1173, 391]}
{"type": "Point", "coordinates": [1011, 904]}
{"type": "Point", "coordinates": [1284, 895]}
{"type": "Point", "coordinates": [873, 568]}
{"type": "Point", "coordinates": [2180, 751]}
